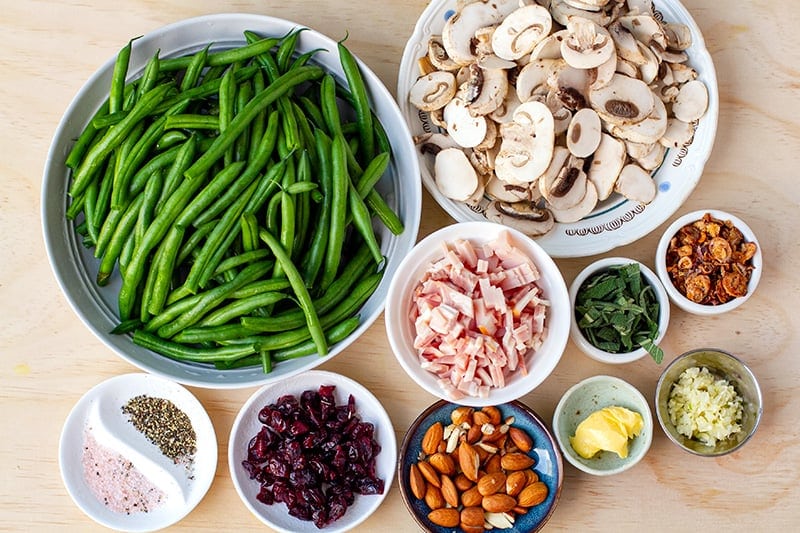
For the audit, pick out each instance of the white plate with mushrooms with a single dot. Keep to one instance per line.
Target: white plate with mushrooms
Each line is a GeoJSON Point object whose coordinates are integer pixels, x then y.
{"type": "Point", "coordinates": [583, 123]}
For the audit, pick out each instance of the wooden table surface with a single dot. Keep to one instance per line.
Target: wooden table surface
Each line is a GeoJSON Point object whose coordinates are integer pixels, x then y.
{"type": "Point", "coordinates": [48, 49]}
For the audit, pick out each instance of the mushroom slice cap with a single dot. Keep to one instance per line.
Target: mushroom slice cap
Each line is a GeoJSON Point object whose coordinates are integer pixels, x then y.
{"type": "Point", "coordinates": [583, 133]}
{"type": "Point", "coordinates": [492, 92]}
{"type": "Point", "coordinates": [550, 46]}
{"type": "Point", "coordinates": [454, 175]}
{"type": "Point", "coordinates": [438, 57]}
{"type": "Point", "coordinates": [466, 130]}
{"type": "Point", "coordinates": [692, 101]}
{"type": "Point", "coordinates": [679, 133]}
{"type": "Point", "coordinates": [623, 100]}
{"type": "Point", "coordinates": [647, 131]}
{"type": "Point", "coordinates": [587, 45]}
{"type": "Point", "coordinates": [523, 216]}
{"type": "Point", "coordinates": [433, 91]}
{"type": "Point", "coordinates": [581, 209]}
{"type": "Point", "coordinates": [460, 28]}
{"type": "Point", "coordinates": [520, 31]}
{"type": "Point", "coordinates": [607, 163]}
{"type": "Point", "coordinates": [636, 184]}
{"type": "Point", "coordinates": [567, 188]}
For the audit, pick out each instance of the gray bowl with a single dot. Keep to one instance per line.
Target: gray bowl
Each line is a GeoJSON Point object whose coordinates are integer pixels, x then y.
{"type": "Point", "coordinates": [75, 267]}
{"type": "Point", "coordinates": [724, 365]}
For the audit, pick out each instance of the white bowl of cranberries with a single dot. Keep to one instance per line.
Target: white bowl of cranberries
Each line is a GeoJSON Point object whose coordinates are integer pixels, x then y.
{"type": "Point", "coordinates": [314, 451]}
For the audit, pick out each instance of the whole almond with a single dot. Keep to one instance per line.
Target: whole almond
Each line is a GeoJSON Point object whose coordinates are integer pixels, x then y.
{"type": "Point", "coordinates": [471, 497]}
{"type": "Point", "coordinates": [434, 498]}
{"type": "Point", "coordinates": [461, 414]}
{"type": "Point", "coordinates": [498, 503]}
{"type": "Point", "coordinates": [449, 491]}
{"type": "Point", "coordinates": [443, 463]}
{"type": "Point", "coordinates": [493, 464]}
{"type": "Point", "coordinates": [521, 439]}
{"type": "Point", "coordinates": [491, 483]}
{"type": "Point", "coordinates": [472, 517]}
{"type": "Point", "coordinates": [429, 473]}
{"type": "Point", "coordinates": [462, 483]}
{"type": "Point", "coordinates": [445, 517]}
{"type": "Point", "coordinates": [472, 529]}
{"type": "Point", "coordinates": [479, 418]}
{"type": "Point", "coordinates": [433, 436]}
{"type": "Point", "coordinates": [474, 434]}
{"type": "Point", "coordinates": [533, 494]}
{"type": "Point", "coordinates": [494, 414]}
{"type": "Point", "coordinates": [469, 460]}
{"type": "Point", "coordinates": [516, 461]}
{"type": "Point", "coordinates": [532, 476]}
{"type": "Point", "coordinates": [417, 482]}
{"type": "Point", "coordinates": [515, 482]}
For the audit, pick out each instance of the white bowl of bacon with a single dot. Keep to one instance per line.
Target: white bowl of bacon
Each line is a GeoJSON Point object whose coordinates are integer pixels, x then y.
{"type": "Point", "coordinates": [478, 314]}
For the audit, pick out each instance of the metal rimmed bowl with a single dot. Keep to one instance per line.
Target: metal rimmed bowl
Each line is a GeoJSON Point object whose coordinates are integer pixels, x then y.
{"type": "Point", "coordinates": [75, 267]}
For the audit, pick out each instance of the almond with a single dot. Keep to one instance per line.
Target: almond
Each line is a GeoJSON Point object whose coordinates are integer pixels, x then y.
{"type": "Point", "coordinates": [462, 483]}
{"type": "Point", "coordinates": [433, 436]}
{"type": "Point", "coordinates": [417, 482]}
{"type": "Point", "coordinates": [449, 491]}
{"type": "Point", "coordinates": [447, 517]}
{"type": "Point", "coordinates": [429, 473]}
{"type": "Point", "coordinates": [434, 498]}
{"type": "Point", "coordinates": [494, 414]}
{"type": "Point", "coordinates": [472, 517]}
{"type": "Point", "coordinates": [521, 439]}
{"type": "Point", "coordinates": [533, 494]}
{"type": "Point", "coordinates": [492, 464]}
{"type": "Point", "coordinates": [479, 418]}
{"type": "Point", "coordinates": [471, 497]}
{"type": "Point", "coordinates": [515, 482]}
{"type": "Point", "coordinates": [491, 483]}
{"type": "Point", "coordinates": [498, 503]}
{"type": "Point", "coordinates": [474, 434]}
{"type": "Point", "coordinates": [532, 477]}
{"type": "Point", "coordinates": [472, 529]}
{"type": "Point", "coordinates": [461, 414]}
{"type": "Point", "coordinates": [469, 460]}
{"type": "Point", "coordinates": [443, 463]}
{"type": "Point", "coordinates": [516, 461]}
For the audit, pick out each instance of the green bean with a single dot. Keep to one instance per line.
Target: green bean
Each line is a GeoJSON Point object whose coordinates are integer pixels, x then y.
{"type": "Point", "coordinates": [220, 334]}
{"type": "Point", "coordinates": [227, 106]}
{"type": "Point", "coordinates": [289, 121]}
{"type": "Point", "coordinates": [149, 284]}
{"type": "Point", "coordinates": [281, 86]}
{"type": "Point", "coordinates": [258, 125]}
{"type": "Point", "coordinates": [201, 91]}
{"type": "Point", "coordinates": [266, 361]}
{"type": "Point", "coordinates": [181, 352]}
{"type": "Point", "coordinates": [192, 121]}
{"type": "Point", "coordinates": [170, 138]}
{"type": "Point", "coordinates": [191, 243]}
{"type": "Point", "coordinates": [360, 101]}
{"type": "Point", "coordinates": [302, 202]}
{"type": "Point", "coordinates": [380, 135]}
{"type": "Point", "coordinates": [135, 157]}
{"type": "Point", "coordinates": [315, 255]}
{"type": "Point", "coordinates": [264, 285]}
{"type": "Point", "coordinates": [241, 307]}
{"type": "Point", "coordinates": [127, 252]}
{"type": "Point", "coordinates": [335, 334]}
{"type": "Point", "coordinates": [126, 327]}
{"type": "Point", "coordinates": [273, 214]}
{"type": "Point", "coordinates": [75, 207]}
{"type": "Point", "coordinates": [339, 191]}
{"type": "Point", "coordinates": [107, 231]}
{"type": "Point", "coordinates": [372, 174]}
{"type": "Point", "coordinates": [255, 47]}
{"type": "Point", "coordinates": [152, 70]}
{"type": "Point", "coordinates": [242, 145]}
{"type": "Point", "coordinates": [164, 267]}
{"type": "Point", "coordinates": [120, 72]}
{"type": "Point", "coordinates": [155, 164]}
{"type": "Point", "coordinates": [363, 223]}
{"type": "Point", "coordinates": [123, 228]}
{"type": "Point", "coordinates": [208, 300]}
{"type": "Point", "coordinates": [301, 187]}
{"type": "Point", "coordinates": [288, 225]}
{"type": "Point", "coordinates": [89, 208]}
{"type": "Point", "coordinates": [241, 259]}
{"type": "Point", "coordinates": [302, 59]}
{"type": "Point", "coordinates": [194, 69]}
{"type": "Point", "coordinates": [303, 298]}
{"type": "Point", "coordinates": [85, 139]}
{"type": "Point", "coordinates": [114, 136]}
{"type": "Point", "coordinates": [103, 202]}
{"type": "Point", "coordinates": [208, 194]}
{"type": "Point", "coordinates": [172, 180]}
{"type": "Point", "coordinates": [109, 119]}
{"type": "Point", "coordinates": [152, 191]}
{"type": "Point", "coordinates": [382, 210]}
{"type": "Point", "coordinates": [287, 48]}
{"type": "Point", "coordinates": [249, 232]}
{"type": "Point", "coordinates": [329, 106]}
{"type": "Point", "coordinates": [312, 111]}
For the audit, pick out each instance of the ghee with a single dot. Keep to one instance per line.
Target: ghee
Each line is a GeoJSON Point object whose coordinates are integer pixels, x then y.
{"type": "Point", "coordinates": [607, 429]}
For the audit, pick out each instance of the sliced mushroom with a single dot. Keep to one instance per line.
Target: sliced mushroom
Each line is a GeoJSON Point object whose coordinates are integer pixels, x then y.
{"type": "Point", "coordinates": [647, 131]}
{"type": "Point", "coordinates": [477, 196]}
{"type": "Point", "coordinates": [527, 144]}
{"type": "Point", "coordinates": [627, 46]}
{"type": "Point", "coordinates": [627, 68]}
{"type": "Point", "coordinates": [623, 101]}
{"type": "Point", "coordinates": [483, 158]}
{"type": "Point", "coordinates": [572, 85]}
{"type": "Point", "coordinates": [579, 211]}
{"type": "Point", "coordinates": [438, 57]}
{"type": "Point", "coordinates": [607, 163]}
{"type": "Point", "coordinates": [505, 112]}
{"type": "Point", "coordinates": [636, 184]}
{"type": "Point", "coordinates": [492, 134]}
{"type": "Point", "coordinates": [587, 5]}
{"type": "Point", "coordinates": [465, 129]}
{"type": "Point", "coordinates": [682, 73]}
{"type": "Point", "coordinates": [520, 31]}
{"type": "Point", "coordinates": [460, 28]}
{"type": "Point", "coordinates": [492, 91]}
{"type": "Point", "coordinates": [637, 150]}
{"type": "Point", "coordinates": [648, 71]}
{"type": "Point", "coordinates": [678, 133]}
{"type": "Point", "coordinates": [523, 216]}
{"type": "Point", "coordinates": [692, 101]}
{"type": "Point", "coordinates": [503, 191]}
{"type": "Point", "coordinates": [482, 41]}
{"type": "Point", "coordinates": [549, 47]}
{"type": "Point", "coordinates": [563, 12]}
{"type": "Point", "coordinates": [491, 61]}
{"type": "Point", "coordinates": [653, 159]}
{"type": "Point", "coordinates": [433, 143]}
{"type": "Point", "coordinates": [583, 134]}
{"type": "Point", "coordinates": [679, 36]}
{"type": "Point", "coordinates": [433, 91]}
{"type": "Point", "coordinates": [557, 162]}
{"type": "Point", "coordinates": [588, 45]}
{"type": "Point", "coordinates": [645, 28]}
{"type": "Point", "coordinates": [640, 7]}
{"type": "Point", "coordinates": [604, 73]}
{"type": "Point", "coordinates": [454, 175]}
{"type": "Point", "coordinates": [534, 76]}
{"type": "Point", "coordinates": [568, 187]}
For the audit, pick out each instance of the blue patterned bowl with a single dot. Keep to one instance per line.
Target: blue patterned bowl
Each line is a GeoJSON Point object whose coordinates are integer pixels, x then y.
{"type": "Point", "coordinates": [545, 451]}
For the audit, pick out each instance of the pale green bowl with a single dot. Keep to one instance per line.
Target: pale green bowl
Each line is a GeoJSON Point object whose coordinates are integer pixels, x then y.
{"type": "Point", "coordinates": [587, 396]}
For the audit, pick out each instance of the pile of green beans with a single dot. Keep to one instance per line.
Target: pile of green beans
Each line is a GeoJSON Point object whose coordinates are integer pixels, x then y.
{"type": "Point", "coordinates": [234, 194]}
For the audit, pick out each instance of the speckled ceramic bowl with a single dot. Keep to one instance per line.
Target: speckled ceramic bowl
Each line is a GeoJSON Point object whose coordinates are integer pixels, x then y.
{"type": "Point", "coordinates": [548, 464]}
{"type": "Point", "coordinates": [590, 395]}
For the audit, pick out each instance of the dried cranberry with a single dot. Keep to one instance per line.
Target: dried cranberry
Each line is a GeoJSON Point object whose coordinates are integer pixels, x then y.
{"type": "Point", "coordinates": [265, 496]}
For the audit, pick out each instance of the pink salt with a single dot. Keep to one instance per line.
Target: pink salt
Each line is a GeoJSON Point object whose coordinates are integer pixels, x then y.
{"type": "Point", "coordinates": [115, 481]}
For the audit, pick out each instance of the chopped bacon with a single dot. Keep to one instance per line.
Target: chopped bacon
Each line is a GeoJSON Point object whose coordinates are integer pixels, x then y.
{"type": "Point", "coordinates": [479, 315]}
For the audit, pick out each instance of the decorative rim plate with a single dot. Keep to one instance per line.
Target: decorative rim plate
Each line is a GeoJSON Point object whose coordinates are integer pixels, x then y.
{"type": "Point", "coordinates": [616, 221]}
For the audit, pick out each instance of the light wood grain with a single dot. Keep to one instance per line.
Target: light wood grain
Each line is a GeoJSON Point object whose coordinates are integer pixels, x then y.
{"type": "Point", "coordinates": [48, 48]}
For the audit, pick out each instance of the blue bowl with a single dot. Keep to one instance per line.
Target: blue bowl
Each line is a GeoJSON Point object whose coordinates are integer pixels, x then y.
{"type": "Point", "coordinates": [548, 464]}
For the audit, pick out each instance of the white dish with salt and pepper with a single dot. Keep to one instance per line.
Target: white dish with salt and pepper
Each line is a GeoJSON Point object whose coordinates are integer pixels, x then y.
{"type": "Point", "coordinates": [140, 437]}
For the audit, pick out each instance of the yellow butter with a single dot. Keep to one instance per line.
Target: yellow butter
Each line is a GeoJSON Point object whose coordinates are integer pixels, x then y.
{"type": "Point", "coordinates": [607, 429]}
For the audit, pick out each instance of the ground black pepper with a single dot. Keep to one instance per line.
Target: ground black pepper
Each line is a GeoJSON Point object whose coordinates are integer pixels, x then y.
{"type": "Point", "coordinates": [165, 425]}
